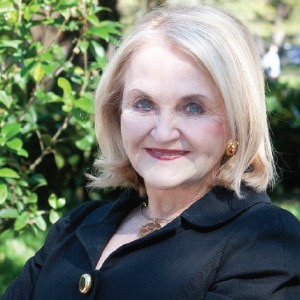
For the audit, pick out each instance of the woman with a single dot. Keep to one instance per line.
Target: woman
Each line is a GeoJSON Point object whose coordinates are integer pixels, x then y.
{"type": "Point", "coordinates": [181, 121]}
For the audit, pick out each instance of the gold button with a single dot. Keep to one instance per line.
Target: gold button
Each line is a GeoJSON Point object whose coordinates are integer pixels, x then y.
{"type": "Point", "coordinates": [85, 283]}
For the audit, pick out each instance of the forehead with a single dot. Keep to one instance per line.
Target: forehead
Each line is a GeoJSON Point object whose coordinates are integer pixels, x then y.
{"type": "Point", "coordinates": [158, 67]}
{"type": "Point", "coordinates": [150, 52]}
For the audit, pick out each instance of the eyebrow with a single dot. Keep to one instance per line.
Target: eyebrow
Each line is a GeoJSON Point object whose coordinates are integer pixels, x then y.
{"type": "Point", "coordinates": [135, 91]}
{"type": "Point", "coordinates": [194, 97]}
{"type": "Point", "coordinates": [190, 97]}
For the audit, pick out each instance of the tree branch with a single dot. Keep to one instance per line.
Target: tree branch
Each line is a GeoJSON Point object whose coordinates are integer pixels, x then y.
{"type": "Point", "coordinates": [48, 150]}
{"type": "Point", "coordinates": [61, 128]}
{"type": "Point", "coordinates": [20, 12]}
{"type": "Point", "coordinates": [40, 158]}
{"type": "Point", "coordinates": [29, 103]}
{"type": "Point", "coordinates": [38, 133]}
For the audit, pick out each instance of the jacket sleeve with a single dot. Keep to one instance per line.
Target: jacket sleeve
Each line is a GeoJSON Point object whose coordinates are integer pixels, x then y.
{"type": "Point", "coordinates": [22, 286]}
{"type": "Point", "coordinates": [261, 260]}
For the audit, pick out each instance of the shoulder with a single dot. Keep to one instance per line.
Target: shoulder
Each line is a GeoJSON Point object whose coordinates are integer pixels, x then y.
{"type": "Point", "coordinates": [266, 216]}
{"type": "Point", "coordinates": [265, 234]}
{"type": "Point", "coordinates": [265, 222]}
{"type": "Point", "coordinates": [74, 218]}
{"type": "Point", "coordinates": [86, 212]}
{"type": "Point", "coordinates": [269, 235]}
{"type": "Point", "coordinates": [256, 211]}
{"type": "Point", "coordinates": [92, 212]}
{"type": "Point", "coordinates": [262, 255]}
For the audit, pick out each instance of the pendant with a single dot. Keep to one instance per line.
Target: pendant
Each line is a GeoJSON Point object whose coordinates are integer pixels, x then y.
{"type": "Point", "coordinates": [148, 228]}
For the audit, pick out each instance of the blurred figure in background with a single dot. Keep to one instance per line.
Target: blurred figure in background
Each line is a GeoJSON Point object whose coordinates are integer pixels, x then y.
{"type": "Point", "coordinates": [271, 63]}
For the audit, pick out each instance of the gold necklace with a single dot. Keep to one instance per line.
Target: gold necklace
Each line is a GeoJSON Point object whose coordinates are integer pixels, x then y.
{"type": "Point", "coordinates": [153, 225]}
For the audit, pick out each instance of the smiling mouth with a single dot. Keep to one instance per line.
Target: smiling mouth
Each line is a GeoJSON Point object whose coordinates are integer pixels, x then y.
{"type": "Point", "coordinates": [166, 154]}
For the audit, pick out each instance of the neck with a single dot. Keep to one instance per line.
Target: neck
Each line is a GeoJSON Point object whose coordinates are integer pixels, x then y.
{"type": "Point", "coordinates": [168, 204]}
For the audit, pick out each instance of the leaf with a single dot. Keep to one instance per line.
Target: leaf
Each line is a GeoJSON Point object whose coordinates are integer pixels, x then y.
{"type": "Point", "coordinates": [83, 46]}
{"type": "Point", "coordinates": [73, 159]}
{"type": "Point", "coordinates": [53, 216]}
{"type": "Point", "coordinates": [5, 99]}
{"type": "Point", "coordinates": [67, 93]}
{"type": "Point", "coordinates": [28, 66]}
{"type": "Point", "coordinates": [104, 30]}
{"type": "Point", "coordinates": [3, 192]}
{"type": "Point", "coordinates": [111, 25]}
{"type": "Point", "coordinates": [49, 68]}
{"type": "Point", "coordinates": [2, 161]}
{"type": "Point", "coordinates": [78, 71]}
{"type": "Point", "coordinates": [65, 85]}
{"type": "Point", "coordinates": [21, 220]}
{"type": "Point", "coordinates": [23, 183]}
{"type": "Point", "coordinates": [9, 213]}
{"type": "Point", "coordinates": [97, 49]}
{"type": "Point", "coordinates": [52, 201]}
{"type": "Point", "coordinates": [2, 142]}
{"type": "Point", "coordinates": [10, 130]}
{"type": "Point", "coordinates": [29, 9]}
{"type": "Point", "coordinates": [10, 44]}
{"type": "Point", "coordinates": [37, 72]}
{"type": "Point", "coordinates": [6, 6]}
{"type": "Point", "coordinates": [37, 180]}
{"type": "Point", "coordinates": [20, 205]}
{"type": "Point", "coordinates": [63, 4]}
{"type": "Point", "coordinates": [8, 173]}
{"type": "Point", "coordinates": [93, 19]}
{"type": "Point", "coordinates": [80, 116]}
{"type": "Point", "coordinates": [98, 32]}
{"type": "Point", "coordinates": [59, 160]}
{"type": "Point", "coordinates": [32, 198]}
{"type": "Point", "coordinates": [15, 144]}
{"type": "Point", "coordinates": [58, 51]}
{"type": "Point", "coordinates": [85, 143]}
{"type": "Point", "coordinates": [40, 223]}
{"type": "Point", "coordinates": [61, 202]}
{"type": "Point", "coordinates": [86, 104]}
{"type": "Point", "coordinates": [23, 152]}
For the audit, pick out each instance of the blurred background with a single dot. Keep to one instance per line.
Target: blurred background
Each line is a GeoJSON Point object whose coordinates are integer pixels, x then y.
{"type": "Point", "coordinates": [51, 56]}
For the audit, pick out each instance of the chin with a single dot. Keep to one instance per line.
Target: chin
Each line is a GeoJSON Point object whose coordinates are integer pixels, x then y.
{"type": "Point", "coordinates": [167, 183]}
{"type": "Point", "coordinates": [160, 183]}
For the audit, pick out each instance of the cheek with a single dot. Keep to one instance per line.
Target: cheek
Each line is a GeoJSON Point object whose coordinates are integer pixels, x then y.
{"type": "Point", "coordinates": [217, 129]}
{"type": "Point", "coordinates": [210, 130]}
{"type": "Point", "coordinates": [133, 128]}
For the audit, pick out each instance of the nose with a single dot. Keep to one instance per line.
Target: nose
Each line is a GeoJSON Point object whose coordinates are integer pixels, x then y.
{"type": "Point", "coordinates": [165, 128]}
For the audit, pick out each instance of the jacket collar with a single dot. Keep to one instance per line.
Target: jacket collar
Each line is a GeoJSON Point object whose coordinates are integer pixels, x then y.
{"type": "Point", "coordinates": [215, 208]}
{"type": "Point", "coordinates": [221, 205]}
{"type": "Point", "coordinates": [212, 210]}
{"type": "Point", "coordinates": [218, 206]}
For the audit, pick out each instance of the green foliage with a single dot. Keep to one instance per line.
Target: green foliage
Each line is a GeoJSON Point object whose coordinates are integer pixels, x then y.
{"type": "Point", "coordinates": [50, 55]}
{"type": "Point", "coordinates": [12, 262]}
{"type": "Point", "coordinates": [283, 105]}
{"type": "Point", "coordinates": [292, 205]}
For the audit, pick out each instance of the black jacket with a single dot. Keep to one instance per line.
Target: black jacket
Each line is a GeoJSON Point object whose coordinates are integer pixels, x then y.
{"type": "Point", "coordinates": [221, 247]}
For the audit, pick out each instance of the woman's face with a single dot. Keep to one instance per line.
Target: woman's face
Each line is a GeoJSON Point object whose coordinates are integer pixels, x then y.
{"type": "Point", "coordinates": [173, 123]}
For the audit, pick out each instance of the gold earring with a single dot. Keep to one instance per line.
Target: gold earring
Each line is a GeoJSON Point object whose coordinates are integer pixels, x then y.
{"type": "Point", "coordinates": [232, 148]}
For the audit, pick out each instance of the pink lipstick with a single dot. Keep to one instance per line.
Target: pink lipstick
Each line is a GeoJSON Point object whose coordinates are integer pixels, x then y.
{"type": "Point", "coordinates": [166, 154]}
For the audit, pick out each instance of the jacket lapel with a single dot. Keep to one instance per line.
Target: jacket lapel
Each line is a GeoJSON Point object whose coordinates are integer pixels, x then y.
{"type": "Point", "coordinates": [98, 227]}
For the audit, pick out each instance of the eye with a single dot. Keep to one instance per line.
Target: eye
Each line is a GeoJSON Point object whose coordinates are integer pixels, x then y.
{"type": "Point", "coordinates": [143, 104]}
{"type": "Point", "coordinates": [193, 108]}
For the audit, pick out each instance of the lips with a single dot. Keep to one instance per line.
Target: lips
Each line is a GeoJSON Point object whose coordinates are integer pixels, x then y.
{"type": "Point", "coordinates": [166, 154]}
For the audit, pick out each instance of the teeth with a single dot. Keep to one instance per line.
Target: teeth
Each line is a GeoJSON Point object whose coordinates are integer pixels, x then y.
{"type": "Point", "coordinates": [168, 154]}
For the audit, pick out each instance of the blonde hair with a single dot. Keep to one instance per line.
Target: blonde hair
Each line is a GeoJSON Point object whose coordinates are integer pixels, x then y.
{"type": "Point", "coordinates": [226, 49]}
